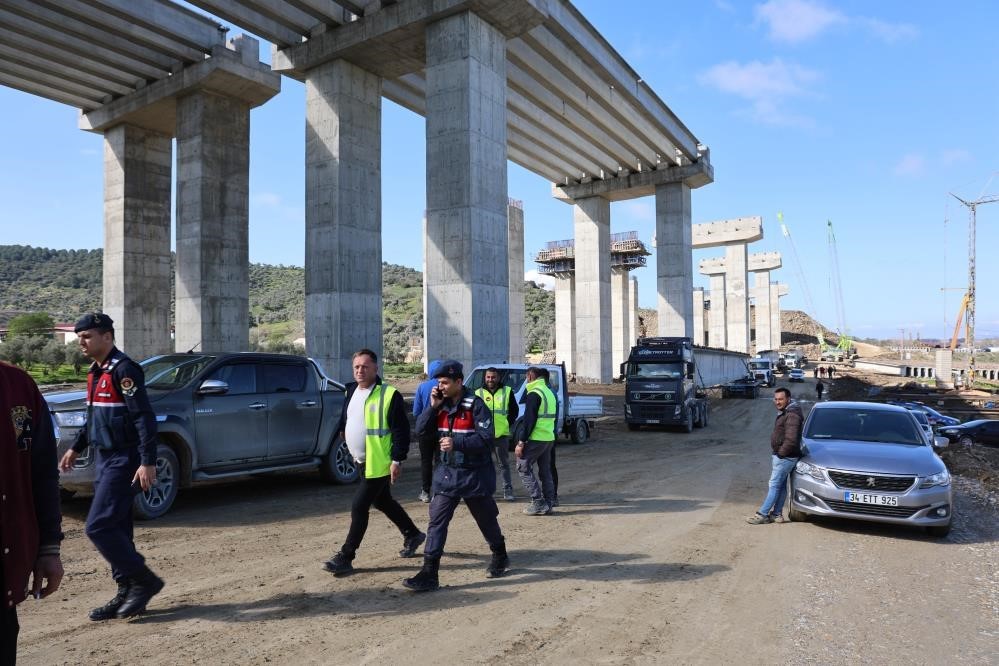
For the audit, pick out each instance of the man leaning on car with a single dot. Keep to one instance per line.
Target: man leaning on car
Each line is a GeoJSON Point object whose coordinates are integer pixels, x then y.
{"type": "Point", "coordinates": [785, 445]}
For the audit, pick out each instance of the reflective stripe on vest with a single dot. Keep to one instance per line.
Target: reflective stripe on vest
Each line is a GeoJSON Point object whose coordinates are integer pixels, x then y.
{"type": "Point", "coordinates": [544, 427]}
{"type": "Point", "coordinates": [497, 404]}
{"type": "Point", "coordinates": [378, 436]}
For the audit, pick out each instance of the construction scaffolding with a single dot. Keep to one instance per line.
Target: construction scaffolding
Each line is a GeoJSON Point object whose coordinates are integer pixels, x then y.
{"type": "Point", "coordinates": [559, 257]}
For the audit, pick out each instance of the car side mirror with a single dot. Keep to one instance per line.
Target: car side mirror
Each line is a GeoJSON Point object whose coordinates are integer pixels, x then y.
{"type": "Point", "coordinates": [213, 387]}
{"type": "Point", "coordinates": [940, 442]}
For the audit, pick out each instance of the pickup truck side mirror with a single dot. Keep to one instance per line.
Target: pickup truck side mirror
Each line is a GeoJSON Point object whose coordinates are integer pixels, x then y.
{"type": "Point", "coordinates": [213, 387]}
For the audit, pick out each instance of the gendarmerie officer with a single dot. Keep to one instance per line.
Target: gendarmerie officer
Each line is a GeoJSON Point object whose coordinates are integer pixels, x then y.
{"type": "Point", "coordinates": [464, 471]}
{"type": "Point", "coordinates": [121, 428]}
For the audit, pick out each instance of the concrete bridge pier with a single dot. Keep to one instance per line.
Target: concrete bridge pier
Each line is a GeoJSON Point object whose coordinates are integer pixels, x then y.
{"type": "Point", "coordinates": [717, 321]}
{"type": "Point", "coordinates": [620, 317]}
{"type": "Point", "coordinates": [760, 265]}
{"type": "Point", "coordinates": [698, 313]}
{"type": "Point", "coordinates": [515, 258]}
{"type": "Point", "coordinates": [591, 221]}
{"type": "Point", "coordinates": [777, 290]}
{"type": "Point", "coordinates": [632, 315]}
{"type": "Point", "coordinates": [565, 320]}
{"type": "Point", "coordinates": [468, 271]}
{"type": "Point", "coordinates": [674, 262]}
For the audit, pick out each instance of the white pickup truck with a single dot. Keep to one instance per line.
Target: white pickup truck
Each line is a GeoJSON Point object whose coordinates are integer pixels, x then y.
{"type": "Point", "coordinates": [575, 412]}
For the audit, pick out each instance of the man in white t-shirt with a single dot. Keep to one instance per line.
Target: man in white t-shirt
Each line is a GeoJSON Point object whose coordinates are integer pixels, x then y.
{"type": "Point", "coordinates": [376, 428]}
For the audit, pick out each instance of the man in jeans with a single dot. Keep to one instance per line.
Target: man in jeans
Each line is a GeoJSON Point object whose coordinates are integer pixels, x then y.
{"type": "Point", "coordinates": [785, 444]}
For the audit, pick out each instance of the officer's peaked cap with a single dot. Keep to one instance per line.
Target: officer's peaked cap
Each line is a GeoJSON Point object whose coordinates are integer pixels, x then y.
{"type": "Point", "coordinates": [97, 320]}
{"type": "Point", "coordinates": [450, 369]}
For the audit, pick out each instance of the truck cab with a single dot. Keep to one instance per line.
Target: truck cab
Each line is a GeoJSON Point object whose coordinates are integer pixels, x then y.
{"type": "Point", "coordinates": [659, 385]}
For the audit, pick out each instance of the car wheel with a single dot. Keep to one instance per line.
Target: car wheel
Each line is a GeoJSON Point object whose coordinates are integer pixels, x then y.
{"type": "Point", "coordinates": [156, 501]}
{"type": "Point", "coordinates": [580, 431]}
{"type": "Point", "coordinates": [966, 441]}
{"type": "Point", "coordinates": [633, 426]}
{"type": "Point", "coordinates": [938, 531]}
{"type": "Point", "coordinates": [796, 516]}
{"type": "Point", "coordinates": [338, 465]}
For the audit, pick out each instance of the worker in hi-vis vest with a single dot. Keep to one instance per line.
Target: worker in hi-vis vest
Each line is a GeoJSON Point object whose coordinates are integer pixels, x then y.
{"type": "Point", "coordinates": [535, 441]}
{"type": "Point", "coordinates": [500, 401]}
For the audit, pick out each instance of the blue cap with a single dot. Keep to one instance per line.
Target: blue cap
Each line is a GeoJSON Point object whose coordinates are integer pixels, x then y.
{"type": "Point", "coordinates": [450, 369]}
{"type": "Point", "coordinates": [97, 320]}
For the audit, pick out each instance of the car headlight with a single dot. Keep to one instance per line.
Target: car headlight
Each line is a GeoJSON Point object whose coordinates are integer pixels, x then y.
{"type": "Point", "coordinates": [808, 469]}
{"type": "Point", "coordinates": [942, 479]}
{"type": "Point", "coordinates": [948, 431]}
{"type": "Point", "coordinates": [71, 419]}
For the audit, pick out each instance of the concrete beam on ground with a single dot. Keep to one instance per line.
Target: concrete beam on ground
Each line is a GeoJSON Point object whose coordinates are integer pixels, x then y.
{"type": "Point", "coordinates": [343, 221]}
{"type": "Point", "coordinates": [515, 258]}
{"type": "Point", "coordinates": [232, 71]}
{"type": "Point", "coordinates": [591, 223]}
{"type": "Point", "coordinates": [136, 282]}
{"type": "Point", "coordinates": [565, 321]}
{"type": "Point", "coordinates": [467, 273]}
{"type": "Point", "coordinates": [674, 263]}
{"type": "Point", "coordinates": [725, 232]}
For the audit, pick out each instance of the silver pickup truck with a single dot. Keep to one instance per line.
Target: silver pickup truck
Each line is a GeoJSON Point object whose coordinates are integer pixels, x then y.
{"type": "Point", "coordinates": [220, 416]}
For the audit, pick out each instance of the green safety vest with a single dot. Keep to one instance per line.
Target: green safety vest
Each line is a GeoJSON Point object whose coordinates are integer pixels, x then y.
{"type": "Point", "coordinates": [378, 438]}
{"type": "Point", "coordinates": [497, 404]}
{"type": "Point", "coordinates": [544, 428]}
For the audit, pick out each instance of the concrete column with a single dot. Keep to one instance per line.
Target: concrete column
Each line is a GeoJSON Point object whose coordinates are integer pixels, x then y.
{"type": "Point", "coordinates": [515, 250]}
{"type": "Point", "coordinates": [591, 221]}
{"type": "Point", "coordinates": [674, 262]}
{"type": "Point", "coordinates": [698, 313]}
{"type": "Point", "coordinates": [468, 272]}
{"type": "Point", "coordinates": [943, 366]}
{"type": "Point", "coordinates": [776, 291]}
{"type": "Point", "coordinates": [736, 297]}
{"type": "Point", "coordinates": [761, 294]}
{"type": "Point", "coordinates": [137, 166]}
{"type": "Point", "coordinates": [717, 317]}
{"type": "Point", "coordinates": [213, 180]}
{"type": "Point", "coordinates": [632, 313]}
{"type": "Point", "coordinates": [343, 215]}
{"type": "Point", "coordinates": [565, 321]}
{"type": "Point", "coordinates": [620, 315]}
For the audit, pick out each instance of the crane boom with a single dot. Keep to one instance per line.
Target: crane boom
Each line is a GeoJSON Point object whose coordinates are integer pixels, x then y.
{"type": "Point", "coordinates": [845, 343]}
{"type": "Point", "coordinates": [819, 336]}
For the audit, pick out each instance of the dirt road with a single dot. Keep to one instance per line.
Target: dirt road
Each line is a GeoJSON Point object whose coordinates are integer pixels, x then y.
{"type": "Point", "coordinates": [648, 560]}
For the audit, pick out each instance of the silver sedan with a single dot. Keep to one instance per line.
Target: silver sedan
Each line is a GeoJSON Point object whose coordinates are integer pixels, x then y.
{"type": "Point", "coordinates": [871, 462]}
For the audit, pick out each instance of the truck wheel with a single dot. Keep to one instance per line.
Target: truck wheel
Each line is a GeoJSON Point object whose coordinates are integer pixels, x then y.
{"type": "Point", "coordinates": [157, 500]}
{"type": "Point", "coordinates": [703, 421]}
{"type": "Point", "coordinates": [688, 425]}
{"type": "Point", "coordinates": [338, 465]}
{"type": "Point", "coordinates": [580, 431]}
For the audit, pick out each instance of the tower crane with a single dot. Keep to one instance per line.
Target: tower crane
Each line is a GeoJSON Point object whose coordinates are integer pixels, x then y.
{"type": "Point", "coordinates": [819, 337]}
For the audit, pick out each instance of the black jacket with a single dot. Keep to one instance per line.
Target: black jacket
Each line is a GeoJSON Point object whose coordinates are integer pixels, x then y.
{"type": "Point", "coordinates": [785, 441]}
{"type": "Point", "coordinates": [398, 420]}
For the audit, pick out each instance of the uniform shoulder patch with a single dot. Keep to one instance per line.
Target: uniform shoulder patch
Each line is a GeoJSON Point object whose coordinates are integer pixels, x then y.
{"type": "Point", "coordinates": [128, 387]}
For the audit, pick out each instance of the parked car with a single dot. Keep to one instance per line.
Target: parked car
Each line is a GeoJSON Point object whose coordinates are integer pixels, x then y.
{"type": "Point", "coordinates": [871, 462]}
{"type": "Point", "coordinates": [221, 416]}
{"type": "Point", "coordinates": [796, 375]}
{"type": "Point", "coordinates": [924, 424]}
{"type": "Point", "coordinates": [935, 418]}
{"type": "Point", "coordinates": [746, 387]}
{"type": "Point", "coordinates": [981, 431]}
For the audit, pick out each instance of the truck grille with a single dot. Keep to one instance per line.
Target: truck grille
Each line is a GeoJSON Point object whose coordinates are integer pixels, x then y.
{"type": "Point", "coordinates": [661, 396]}
{"type": "Point", "coordinates": [894, 484]}
{"type": "Point", "coordinates": [873, 509]}
{"type": "Point", "coordinates": [652, 411]}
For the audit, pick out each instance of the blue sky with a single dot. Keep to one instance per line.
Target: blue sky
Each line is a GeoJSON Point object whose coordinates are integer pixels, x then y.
{"type": "Point", "coordinates": [863, 113]}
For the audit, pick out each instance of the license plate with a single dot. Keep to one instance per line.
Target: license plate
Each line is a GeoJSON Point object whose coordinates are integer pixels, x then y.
{"type": "Point", "coordinates": [870, 498]}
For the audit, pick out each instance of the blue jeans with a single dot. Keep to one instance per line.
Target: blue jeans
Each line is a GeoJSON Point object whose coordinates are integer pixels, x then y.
{"type": "Point", "coordinates": [774, 503]}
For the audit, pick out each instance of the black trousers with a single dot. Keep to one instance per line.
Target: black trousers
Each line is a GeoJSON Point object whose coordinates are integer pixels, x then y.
{"type": "Point", "coordinates": [483, 509]}
{"type": "Point", "coordinates": [374, 493]}
{"type": "Point", "coordinates": [8, 630]}
{"type": "Point", "coordinates": [554, 471]}
{"type": "Point", "coordinates": [428, 451]}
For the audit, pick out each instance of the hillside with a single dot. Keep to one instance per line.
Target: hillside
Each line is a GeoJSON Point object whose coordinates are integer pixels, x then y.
{"type": "Point", "coordinates": [64, 283]}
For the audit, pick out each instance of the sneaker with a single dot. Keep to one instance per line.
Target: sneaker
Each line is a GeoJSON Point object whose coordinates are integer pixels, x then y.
{"type": "Point", "coordinates": [508, 495]}
{"type": "Point", "coordinates": [339, 565]}
{"type": "Point", "coordinates": [548, 508]}
{"type": "Point", "coordinates": [107, 611]}
{"type": "Point", "coordinates": [554, 502]}
{"type": "Point", "coordinates": [411, 543]}
{"type": "Point", "coordinates": [537, 508]}
{"type": "Point", "coordinates": [424, 496]}
{"type": "Point", "coordinates": [779, 518]}
{"type": "Point", "coordinates": [758, 519]}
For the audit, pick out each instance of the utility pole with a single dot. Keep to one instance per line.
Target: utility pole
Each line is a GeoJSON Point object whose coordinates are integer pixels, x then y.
{"type": "Point", "coordinates": [972, 207]}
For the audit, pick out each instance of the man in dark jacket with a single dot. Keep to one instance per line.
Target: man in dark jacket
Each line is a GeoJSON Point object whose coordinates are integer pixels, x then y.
{"type": "Point", "coordinates": [375, 426]}
{"type": "Point", "coordinates": [536, 443]}
{"type": "Point", "coordinates": [785, 446]}
{"type": "Point", "coordinates": [121, 427]}
{"type": "Point", "coordinates": [428, 445]}
{"type": "Point", "coordinates": [29, 513]}
{"type": "Point", "coordinates": [464, 428]}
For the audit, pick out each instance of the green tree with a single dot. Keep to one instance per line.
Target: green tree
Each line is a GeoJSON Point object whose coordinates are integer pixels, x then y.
{"type": "Point", "coordinates": [33, 323]}
{"type": "Point", "coordinates": [12, 351]}
{"type": "Point", "coordinates": [53, 354]}
{"type": "Point", "coordinates": [74, 356]}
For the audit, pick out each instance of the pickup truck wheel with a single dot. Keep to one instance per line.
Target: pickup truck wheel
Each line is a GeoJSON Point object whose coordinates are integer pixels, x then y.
{"type": "Point", "coordinates": [157, 500]}
{"type": "Point", "coordinates": [338, 465]}
{"type": "Point", "coordinates": [580, 431]}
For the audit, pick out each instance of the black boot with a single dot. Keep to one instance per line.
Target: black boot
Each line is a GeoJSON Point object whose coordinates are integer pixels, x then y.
{"type": "Point", "coordinates": [107, 611]}
{"type": "Point", "coordinates": [426, 579]}
{"type": "Point", "coordinates": [144, 586]}
{"type": "Point", "coordinates": [499, 564]}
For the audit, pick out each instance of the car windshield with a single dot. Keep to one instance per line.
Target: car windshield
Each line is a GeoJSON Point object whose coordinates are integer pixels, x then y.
{"type": "Point", "coordinates": [165, 373]}
{"type": "Point", "coordinates": [861, 425]}
{"type": "Point", "coordinates": [920, 416]}
{"type": "Point", "coordinates": [655, 371]}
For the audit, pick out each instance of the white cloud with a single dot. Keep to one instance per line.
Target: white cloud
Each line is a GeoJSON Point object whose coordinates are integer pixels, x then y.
{"type": "Point", "coordinates": [954, 156]}
{"type": "Point", "coordinates": [766, 84]}
{"type": "Point", "coordinates": [912, 164]}
{"type": "Point", "coordinates": [546, 281]}
{"type": "Point", "coordinates": [796, 21]}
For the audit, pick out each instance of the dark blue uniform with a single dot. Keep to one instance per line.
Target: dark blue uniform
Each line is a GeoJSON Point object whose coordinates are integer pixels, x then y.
{"type": "Point", "coordinates": [121, 426]}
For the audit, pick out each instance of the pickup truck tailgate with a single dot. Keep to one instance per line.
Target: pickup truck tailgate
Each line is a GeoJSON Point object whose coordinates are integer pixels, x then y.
{"type": "Point", "coordinates": [585, 405]}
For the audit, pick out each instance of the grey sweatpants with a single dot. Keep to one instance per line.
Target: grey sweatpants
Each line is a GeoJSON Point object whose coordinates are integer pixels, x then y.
{"type": "Point", "coordinates": [537, 453]}
{"type": "Point", "coordinates": [502, 450]}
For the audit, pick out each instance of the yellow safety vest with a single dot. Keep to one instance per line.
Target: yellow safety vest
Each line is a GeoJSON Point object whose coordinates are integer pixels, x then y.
{"type": "Point", "coordinates": [544, 428]}
{"type": "Point", "coordinates": [378, 438]}
{"type": "Point", "coordinates": [497, 404]}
